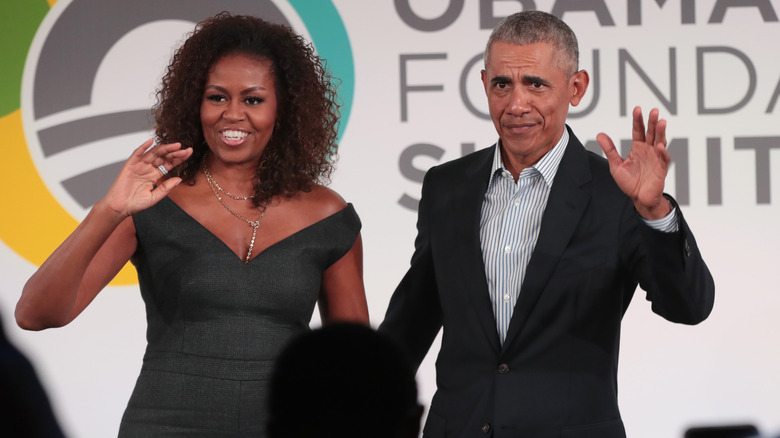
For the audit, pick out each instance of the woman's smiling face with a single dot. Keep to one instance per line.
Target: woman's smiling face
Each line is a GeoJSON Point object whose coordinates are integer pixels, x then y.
{"type": "Point", "coordinates": [238, 110]}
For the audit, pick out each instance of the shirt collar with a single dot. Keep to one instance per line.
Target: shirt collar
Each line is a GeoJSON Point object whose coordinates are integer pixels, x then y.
{"type": "Point", "coordinates": [547, 166]}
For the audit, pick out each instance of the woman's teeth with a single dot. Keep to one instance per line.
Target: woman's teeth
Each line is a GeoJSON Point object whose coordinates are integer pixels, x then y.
{"type": "Point", "coordinates": [234, 135]}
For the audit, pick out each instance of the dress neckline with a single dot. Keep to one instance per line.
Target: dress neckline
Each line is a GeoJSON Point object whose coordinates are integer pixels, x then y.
{"type": "Point", "coordinates": [176, 206]}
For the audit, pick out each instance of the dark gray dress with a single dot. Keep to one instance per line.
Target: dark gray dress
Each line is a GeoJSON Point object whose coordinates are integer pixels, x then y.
{"type": "Point", "coordinates": [215, 324]}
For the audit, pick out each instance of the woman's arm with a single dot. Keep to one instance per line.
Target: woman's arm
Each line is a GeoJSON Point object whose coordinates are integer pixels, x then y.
{"type": "Point", "coordinates": [77, 270]}
{"type": "Point", "coordinates": [342, 294]}
{"type": "Point", "coordinates": [101, 245]}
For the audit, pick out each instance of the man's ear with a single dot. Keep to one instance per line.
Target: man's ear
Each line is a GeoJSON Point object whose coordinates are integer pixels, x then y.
{"type": "Point", "coordinates": [578, 84]}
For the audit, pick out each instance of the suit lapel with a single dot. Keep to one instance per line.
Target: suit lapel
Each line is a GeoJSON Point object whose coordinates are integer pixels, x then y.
{"type": "Point", "coordinates": [569, 196]}
{"type": "Point", "coordinates": [471, 195]}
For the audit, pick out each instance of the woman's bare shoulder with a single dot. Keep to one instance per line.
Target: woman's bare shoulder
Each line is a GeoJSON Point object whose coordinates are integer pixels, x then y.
{"type": "Point", "coordinates": [319, 203]}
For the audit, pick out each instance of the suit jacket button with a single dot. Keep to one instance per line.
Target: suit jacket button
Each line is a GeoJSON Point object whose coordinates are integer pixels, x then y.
{"type": "Point", "coordinates": [486, 428]}
{"type": "Point", "coordinates": [503, 368]}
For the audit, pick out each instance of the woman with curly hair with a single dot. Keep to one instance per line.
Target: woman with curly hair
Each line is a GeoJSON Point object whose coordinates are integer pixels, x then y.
{"type": "Point", "coordinates": [232, 262]}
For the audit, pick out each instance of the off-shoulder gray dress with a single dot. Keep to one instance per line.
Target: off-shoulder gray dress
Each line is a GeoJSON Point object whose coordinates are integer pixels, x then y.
{"type": "Point", "coordinates": [216, 324]}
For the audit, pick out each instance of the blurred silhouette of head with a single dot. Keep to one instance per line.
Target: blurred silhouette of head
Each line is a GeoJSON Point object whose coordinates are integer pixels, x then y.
{"type": "Point", "coordinates": [344, 380]}
{"type": "Point", "coordinates": [25, 410]}
{"type": "Point", "coordinates": [725, 431]}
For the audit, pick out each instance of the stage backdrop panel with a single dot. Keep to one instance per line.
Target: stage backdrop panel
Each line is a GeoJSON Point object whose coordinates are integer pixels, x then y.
{"type": "Point", "coordinates": [78, 79]}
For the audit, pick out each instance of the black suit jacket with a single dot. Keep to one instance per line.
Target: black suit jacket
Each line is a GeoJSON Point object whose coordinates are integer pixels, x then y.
{"type": "Point", "coordinates": [556, 373]}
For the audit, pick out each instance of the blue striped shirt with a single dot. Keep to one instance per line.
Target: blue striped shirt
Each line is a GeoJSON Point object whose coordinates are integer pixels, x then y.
{"type": "Point", "coordinates": [510, 222]}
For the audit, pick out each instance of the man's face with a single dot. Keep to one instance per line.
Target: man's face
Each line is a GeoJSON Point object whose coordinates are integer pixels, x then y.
{"type": "Point", "coordinates": [529, 95]}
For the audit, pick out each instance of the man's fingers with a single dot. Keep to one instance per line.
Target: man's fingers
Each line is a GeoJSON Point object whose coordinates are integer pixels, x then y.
{"type": "Point", "coordinates": [638, 131]}
{"type": "Point", "coordinates": [660, 133]}
{"type": "Point", "coordinates": [609, 149]}
{"type": "Point", "coordinates": [652, 122]}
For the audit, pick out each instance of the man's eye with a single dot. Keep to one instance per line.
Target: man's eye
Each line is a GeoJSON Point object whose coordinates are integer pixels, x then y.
{"type": "Point", "coordinates": [502, 84]}
{"type": "Point", "coordinates": [537, 84]}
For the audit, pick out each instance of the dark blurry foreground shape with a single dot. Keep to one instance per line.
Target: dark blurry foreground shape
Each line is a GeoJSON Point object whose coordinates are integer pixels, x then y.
{"type": "Point", "coordinates": [343, 381]}
{"type": "Point", "coordinates": [732, 431]}
{"type": "Point", "coordinates": [24, 407]}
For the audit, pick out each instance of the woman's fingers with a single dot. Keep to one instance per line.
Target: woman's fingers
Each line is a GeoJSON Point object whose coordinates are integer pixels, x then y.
{"type": "Point", "coordinates": [139, 152]}
{"type": "Point", "coordinates": [171, 160]}
{"type": "Point", "coordinates": [162, 157]}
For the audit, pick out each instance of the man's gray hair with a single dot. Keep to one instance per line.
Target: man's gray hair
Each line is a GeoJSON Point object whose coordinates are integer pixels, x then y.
{"type": "Point", "coordinates": [529, 27]}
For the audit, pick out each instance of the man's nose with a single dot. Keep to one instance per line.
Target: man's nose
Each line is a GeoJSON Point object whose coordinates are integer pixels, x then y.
{"type": "Point", "coordinates": [520, 101]}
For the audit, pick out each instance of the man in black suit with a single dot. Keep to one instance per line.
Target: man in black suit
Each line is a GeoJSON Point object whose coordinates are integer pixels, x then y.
{"type": "Point", "coordinates": [528, 254]}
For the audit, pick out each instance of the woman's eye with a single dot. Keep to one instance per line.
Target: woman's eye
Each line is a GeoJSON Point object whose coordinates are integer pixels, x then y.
{"type": "Point", "coordinates": [253, 100]}
{"type": "Point", "coordinates": [216, 98]}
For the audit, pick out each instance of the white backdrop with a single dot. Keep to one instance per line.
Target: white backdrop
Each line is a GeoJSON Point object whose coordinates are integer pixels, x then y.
{"type": "Point", "coordinates": [710, 66]}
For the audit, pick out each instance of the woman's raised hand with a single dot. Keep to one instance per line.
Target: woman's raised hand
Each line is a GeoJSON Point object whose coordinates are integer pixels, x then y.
{"type": "Point", "coordinates": [140, 183]}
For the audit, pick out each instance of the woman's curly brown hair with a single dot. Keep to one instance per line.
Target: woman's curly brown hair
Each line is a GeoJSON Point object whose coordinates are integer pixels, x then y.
{"type": "Point", "coordinates": [303, 145]}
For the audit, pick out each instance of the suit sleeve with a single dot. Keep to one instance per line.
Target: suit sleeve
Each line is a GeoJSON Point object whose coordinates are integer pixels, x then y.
{"type": "Point", "coordinates": [673, 272]}
{"type": "Point", "coordinates": [414, 314]}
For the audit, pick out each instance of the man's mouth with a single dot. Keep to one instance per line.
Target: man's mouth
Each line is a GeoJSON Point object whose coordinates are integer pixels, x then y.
{"type": "Point", "coordinates": [519, 127]}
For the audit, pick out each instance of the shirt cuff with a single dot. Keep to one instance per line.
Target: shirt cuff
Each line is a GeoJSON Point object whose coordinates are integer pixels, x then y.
{"type": "Point", "coordinates": [667, 224]}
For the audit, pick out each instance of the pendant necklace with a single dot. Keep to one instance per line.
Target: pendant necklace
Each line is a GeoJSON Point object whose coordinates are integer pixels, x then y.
{"type": "Point", "coordinates": [216, 189]}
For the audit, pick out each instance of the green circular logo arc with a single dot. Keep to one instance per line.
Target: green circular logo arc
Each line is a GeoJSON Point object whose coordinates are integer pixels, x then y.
{"type": "Point", "coordinates": [18, 23]}
{"type": "Point", "coordinates": [332, 43]}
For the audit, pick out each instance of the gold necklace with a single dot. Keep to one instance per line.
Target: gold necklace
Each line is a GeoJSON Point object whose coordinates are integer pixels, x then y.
{"type": "Point", "coordinates": [216, 184]}
{"type": "Point", "coordinates": [215, 188]}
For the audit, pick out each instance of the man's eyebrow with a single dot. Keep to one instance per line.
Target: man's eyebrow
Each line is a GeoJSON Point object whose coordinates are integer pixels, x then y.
{"type": "Point", "coordinates": [533, 78]}
{"type": "Point", "coordinates": [497, 79]}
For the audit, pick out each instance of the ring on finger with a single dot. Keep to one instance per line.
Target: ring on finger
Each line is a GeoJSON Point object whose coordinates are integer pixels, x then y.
{"type": "Point", "coordinates": [162, 169]}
